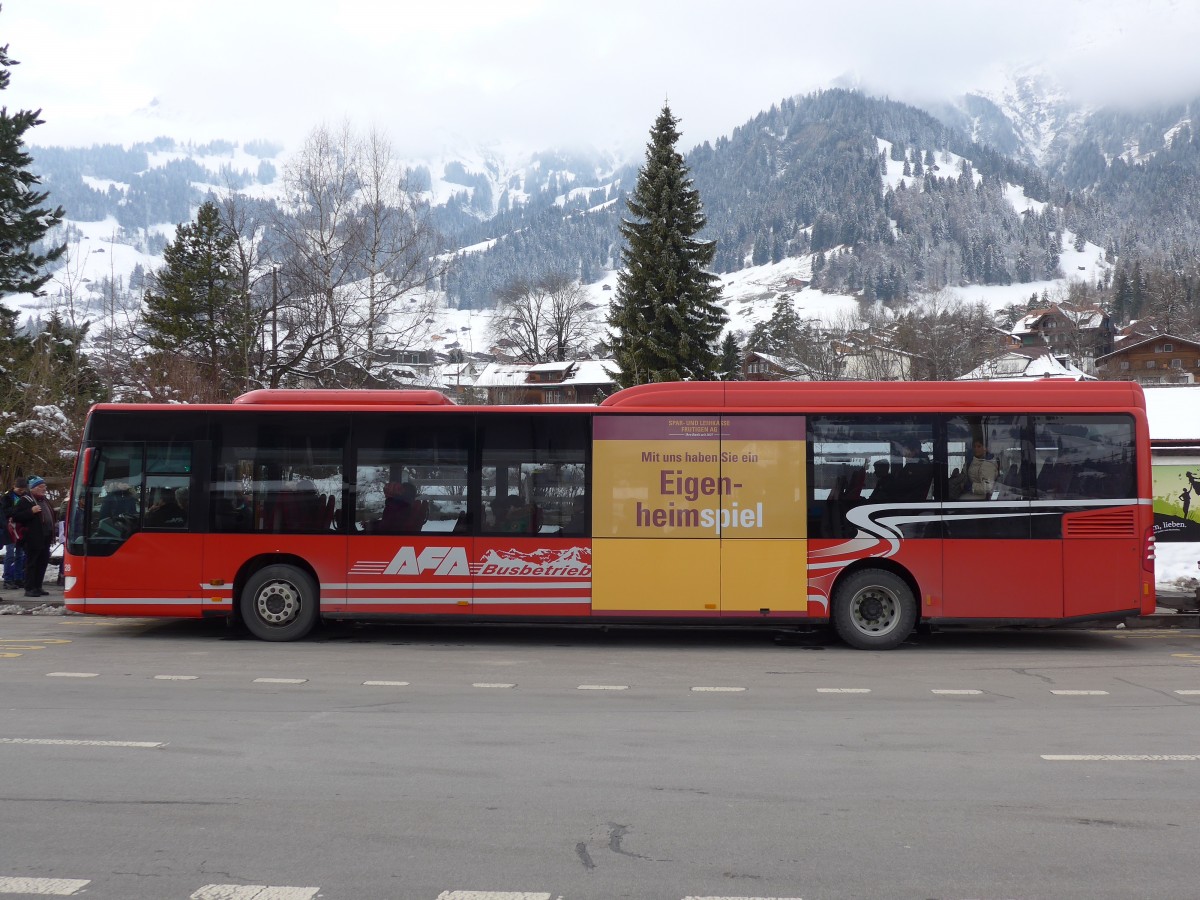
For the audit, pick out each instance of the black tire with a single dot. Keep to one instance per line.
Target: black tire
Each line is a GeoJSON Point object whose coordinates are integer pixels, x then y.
{"type": "Point", "coordinates": [279, 603]}
{"type": "Point", "coordinates": [874, 609]}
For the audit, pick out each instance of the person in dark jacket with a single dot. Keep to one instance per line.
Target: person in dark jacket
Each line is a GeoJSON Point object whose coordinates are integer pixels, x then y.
{"type": "Point", "coordinates": [14, 553]}
{"type": "Point", "coordinates": [35, 512]}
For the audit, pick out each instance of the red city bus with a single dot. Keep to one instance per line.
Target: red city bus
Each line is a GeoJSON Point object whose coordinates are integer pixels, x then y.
{"type": "Point", "coordinates": [871, 507]}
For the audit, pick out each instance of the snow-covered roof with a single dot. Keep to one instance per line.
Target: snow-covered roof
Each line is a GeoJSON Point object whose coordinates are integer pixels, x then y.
{"type": "Point", "coordinates": [578, 372]}
{"type": "Point", "coordinates": [1082, 317]}
{"type": "Point", "coordinates": [1020, 363]}
{"type": "Point", "coordinates": [1173, 411]}
{"type": "Point", "coordinates": [1133, 344]}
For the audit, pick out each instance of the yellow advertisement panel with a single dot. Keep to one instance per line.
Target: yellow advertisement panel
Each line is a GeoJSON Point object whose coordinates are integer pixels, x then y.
{"type": "Point", "coordinates": [672, 576]}
{"type": "Point", "coordinates": [699, 477]}
{"type": "Point", "coordinates": [698, 480]}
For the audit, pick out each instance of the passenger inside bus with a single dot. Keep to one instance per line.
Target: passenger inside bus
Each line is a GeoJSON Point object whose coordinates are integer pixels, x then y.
{"type": "Point", "coordinates": [978, 480]}
{"type": "Point", "coordinates": [304, 509]}
{"type": "Point", "coordinates": [403, 512]}
{"type": "Point", "coordinates": [513, 516]}
{"type": "Point", "coordinates": [165, 511]}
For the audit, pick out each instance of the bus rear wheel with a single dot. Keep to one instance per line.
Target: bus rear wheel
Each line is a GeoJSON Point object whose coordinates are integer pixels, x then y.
{"type": "Point", "coordinates": [874, 609]}
{"type": "Point", "coordinates": [279, 603]}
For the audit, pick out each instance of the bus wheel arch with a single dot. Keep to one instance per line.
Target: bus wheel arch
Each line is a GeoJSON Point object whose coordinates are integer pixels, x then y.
{"type": "Point", "coordinates": [874, 605]}
{"type": "Point", "coordinates": [278, 597]}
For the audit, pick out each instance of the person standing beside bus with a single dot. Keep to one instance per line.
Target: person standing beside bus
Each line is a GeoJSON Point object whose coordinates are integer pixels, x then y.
{"type": "Point", "coordinates": [37, 515]}
{"type": "Point", "coordinates": [14, 553]}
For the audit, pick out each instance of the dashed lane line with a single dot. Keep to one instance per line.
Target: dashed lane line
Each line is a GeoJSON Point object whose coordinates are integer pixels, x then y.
{"type": "Point", "coordinates": [954, 692]}
{"type": "Point", "coordinates": [176, 677]}
{"type": "Point", "coordinates": [1081, 693]}
{"type": "Point", "coordinates": [493, 684]}
{"type": "Point", "coordinates": [718, 690]}
{"type": "Point", "coordinates": [72, 674]}
{"type": "Point", "coordinates": [602, 687]}
{"type": "Point", "coordinates": [63, 742]}
{"type": "Point", "coordinates": [280, 680]}
{"type": "Point", "coordinates": [1133, 757]}
{"type": "Point", "coordinates": [386, 683]}
{"type": "Point", "coordinates": [492, 895]}
{"type": "Point", "coordinates": [254, 892]}
{"type": "Point", "coordinates": [843, 690]}
{"type": "Point", "coordinates": [44, 887]}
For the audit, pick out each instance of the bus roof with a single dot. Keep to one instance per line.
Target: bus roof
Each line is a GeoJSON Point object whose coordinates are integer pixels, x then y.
{"type": "Point", "coordinates": [696, 396]}
{"type": "Point", "coordinates": [860, 395]}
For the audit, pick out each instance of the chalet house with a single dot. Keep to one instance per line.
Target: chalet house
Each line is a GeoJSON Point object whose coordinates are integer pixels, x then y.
{"type": "Point", "coordinates": [1161, 359]}
{"type": "Point", "coordinates": [1023, 363]}
{"type": "Point", "coordinates": [879, 362]}
{"type": "Point", "coordinates": [757, 366]}
{"type": "Point", "coordinates": [765, 367]}
{"type": "Point", "coordinates": [574, 381]}
{"type": "Point", "coordinates": [1084, 332]}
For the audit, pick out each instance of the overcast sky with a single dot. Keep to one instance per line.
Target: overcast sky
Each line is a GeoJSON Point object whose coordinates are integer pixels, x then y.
{"type": "Point", "coordinates": [545, 73]}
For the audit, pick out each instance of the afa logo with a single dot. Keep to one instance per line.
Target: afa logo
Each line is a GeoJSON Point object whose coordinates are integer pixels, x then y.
{"type": "Point", "coordinates": [438, 560]}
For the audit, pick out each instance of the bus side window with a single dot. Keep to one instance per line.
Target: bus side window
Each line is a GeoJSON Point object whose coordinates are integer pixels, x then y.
{"type": "Point", "coordinates": [1085, 457]}
{"type": "Point", "coordinates": [534, 477]}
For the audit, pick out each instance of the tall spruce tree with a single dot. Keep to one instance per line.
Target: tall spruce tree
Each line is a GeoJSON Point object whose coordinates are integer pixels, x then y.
{"type": "Point", "coordinates": [24, 220]}
{"type": "Point", "coordinates": [195, 306]}
{"type": "Point", "coordinates": [664, 317]}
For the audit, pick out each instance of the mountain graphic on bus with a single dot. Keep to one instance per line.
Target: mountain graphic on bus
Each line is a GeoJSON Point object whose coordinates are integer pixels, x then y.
{"type": "Point", "coordinates": [572, 562]}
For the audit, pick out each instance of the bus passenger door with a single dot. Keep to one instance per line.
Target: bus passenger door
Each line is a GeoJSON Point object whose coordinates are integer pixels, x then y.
{"type": "Point", "coordinates": [1087, 481]}
{"type": "Point", "coordinates": [143, 554]}
{"type": "Point", "coordinates": [763, 516]}
{"type": "Point", "coordinates": [1002, 556]}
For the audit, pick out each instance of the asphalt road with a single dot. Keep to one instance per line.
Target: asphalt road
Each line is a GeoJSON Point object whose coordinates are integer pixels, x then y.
{"type": "Point", "coordinates": [153, 760]}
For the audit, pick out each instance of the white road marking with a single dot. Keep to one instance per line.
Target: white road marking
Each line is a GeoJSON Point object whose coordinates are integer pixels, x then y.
{"type": "Point", "coordinates": [72, 674]}
{"type": "Point", "coordinates": [719, 690]}
{"type": "Point", "coordinates": [1081, 693]}
{"type": "Point", "coordinates": [954, 692]}
{"type": "Point", "coordinates": [493, 684]}
{"type": "Point", "coordinates": [843, 690]}
{"type": "Point", "coordinates": [59, 742]}
{"type": "Point", "coordinates": [56, 887]}
{"type": "Point", "coordinates": [491, 895]}
{"type": "Point", "coordinates": [254, 892]}
{"type": "Point", "coordinates": [280, 680]}
{"type": "Point", "coordinates": [176, 677]}
{"type": "Point", "coordinates": [603, 687]}
{"type": "Point", "coordinates": [1187, 693]}
{"type": "Point", "coordinates": [1125, 758]}
{"type": "Point", "coordinates": [387, 683]}
{"type": "Point", "coordinates": [741, 898]}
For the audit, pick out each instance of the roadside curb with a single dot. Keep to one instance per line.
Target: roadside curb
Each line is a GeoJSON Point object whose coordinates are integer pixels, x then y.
{"type": "Point", "coordinates": [17, 603]}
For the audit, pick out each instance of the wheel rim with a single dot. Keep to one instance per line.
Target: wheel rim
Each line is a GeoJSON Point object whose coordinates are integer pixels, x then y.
{"type": "Point", "coordinates": [277, 603]}
{"type": "Point", "coordinates": [875, 610]}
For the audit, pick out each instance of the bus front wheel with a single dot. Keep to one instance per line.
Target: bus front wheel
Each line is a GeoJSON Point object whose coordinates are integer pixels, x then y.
{"type": "Point", "coordinates": [874, 609]}
{"type": "Point", "coordinates": [279, 603]}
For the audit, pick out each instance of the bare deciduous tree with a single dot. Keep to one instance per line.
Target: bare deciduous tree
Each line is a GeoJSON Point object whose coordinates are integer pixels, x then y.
{"type": "Point", "coordinates": [356, 243]}
{"type": "Point", "coordinates": [548, 320]}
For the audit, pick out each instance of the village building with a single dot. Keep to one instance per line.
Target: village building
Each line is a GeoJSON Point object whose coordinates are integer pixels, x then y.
{"type": "Point", "coordinates": [1160, 359]}
{"type": "Point", "coordinates": [573, 381]}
